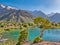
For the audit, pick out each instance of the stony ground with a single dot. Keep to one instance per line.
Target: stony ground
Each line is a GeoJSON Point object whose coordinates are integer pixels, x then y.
{"type": "Point", "coordinates": [44, 43]}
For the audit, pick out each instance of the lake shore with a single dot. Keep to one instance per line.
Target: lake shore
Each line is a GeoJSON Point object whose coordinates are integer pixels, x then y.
{"type": "Point", "coordinates": [44, 43]}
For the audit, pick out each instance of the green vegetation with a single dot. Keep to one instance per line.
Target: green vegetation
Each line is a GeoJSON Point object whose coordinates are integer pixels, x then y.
{"type": "Point", "coordinates": [1, 25]}
{"type": "Point", "coordinates": [42, 23]}
{"type": "Point", "coordinates": [22, 37]}
{"type": "Point", "coordinates": [7, 29]}
{"type": "Point", "coordinates": [37, 40]}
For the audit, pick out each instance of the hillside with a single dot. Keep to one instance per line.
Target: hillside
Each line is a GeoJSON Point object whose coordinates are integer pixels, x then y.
{"type": "Point", "coordinates": [8, 13]}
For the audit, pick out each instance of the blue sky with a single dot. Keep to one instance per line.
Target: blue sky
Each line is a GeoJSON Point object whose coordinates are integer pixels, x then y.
{"type": "Point", "coordinates": [46, 6]}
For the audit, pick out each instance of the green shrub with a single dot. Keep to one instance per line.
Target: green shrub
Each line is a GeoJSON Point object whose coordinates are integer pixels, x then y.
{"type": "Point", "coordinates": [37, 40]}
{"type": "Point", "coordinates": [7, 29]}
{"type": "Point", "coordinates": [41, 26]}
{"type": "Point", "coordinates": [25, 25]}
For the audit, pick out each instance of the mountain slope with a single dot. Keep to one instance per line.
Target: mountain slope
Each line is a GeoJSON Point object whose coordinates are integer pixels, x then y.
{"type": "Point", "coordinates": [38, 14]}
{"type": "Point", "coordinates": [8, 13]}
{"type": "Point", "coordinates": [55, 17]}
{"type": "Point", "coordinates": [51, 14]}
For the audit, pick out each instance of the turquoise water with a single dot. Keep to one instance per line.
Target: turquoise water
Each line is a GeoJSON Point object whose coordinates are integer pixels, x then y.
{"type": "Point", "coordinates": [33, 33]}
{"type": "Point", "coordinates": [52, 35]}
{"type": "Point", "coordinates": [13, 35]}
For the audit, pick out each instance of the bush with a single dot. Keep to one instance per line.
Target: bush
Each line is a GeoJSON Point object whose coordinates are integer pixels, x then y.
{"type": "Point", "coordinates": [41, 26]}
{"type": "Point", "coordinates": [1, 25]}
{"type": "Point", "coordinates": [30, 24]}
{"type": "Point", "coordinates": [37, 40]}
{"type": "Point", "coordinates": [24, 25]}
{"type": "Point", "coordinates": [7, 29]}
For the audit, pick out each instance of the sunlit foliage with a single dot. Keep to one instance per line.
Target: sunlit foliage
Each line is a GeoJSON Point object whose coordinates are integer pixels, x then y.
{"type": "Point", "coordinates": [42, 22]}
{"type": "Point", "coordinates": [37, 40]}
{"type": "Point", "coordinates": [23, 37]}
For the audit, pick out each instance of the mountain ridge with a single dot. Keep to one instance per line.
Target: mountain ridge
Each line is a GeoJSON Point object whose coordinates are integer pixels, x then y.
{"type": "Point", "coordinates": [14, 15]}
{"type": "Point", "coordinates": [8, 13]}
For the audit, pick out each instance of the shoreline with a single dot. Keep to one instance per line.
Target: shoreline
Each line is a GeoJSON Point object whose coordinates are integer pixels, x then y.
{"type": "Point", "coordinates": [44, 43]}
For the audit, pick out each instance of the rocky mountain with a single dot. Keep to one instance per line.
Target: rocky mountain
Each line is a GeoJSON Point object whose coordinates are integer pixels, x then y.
{"type": "Point", "coordinates": [8, 13]}
{"type": "Point", "coordinates": [37, 13]}
{"type": "Point", "coordinates": [55, 17]}
{"type": "Point", "coordinates": [51, 14]}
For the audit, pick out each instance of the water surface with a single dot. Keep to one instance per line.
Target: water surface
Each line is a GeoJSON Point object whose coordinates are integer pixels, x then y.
{"type": "Point", "coordinates": [52, 35]}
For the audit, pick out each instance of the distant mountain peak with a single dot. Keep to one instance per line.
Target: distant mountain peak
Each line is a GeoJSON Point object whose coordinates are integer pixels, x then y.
{"type": "Point", "coordinates": [7, 7]}
{"type": "Point", "coordinates": [57, 13]}
{"type": "Point", "coordinates": [11, 14]}
{"type": "Point", "coordinates": [38, 13]}
{"type": "Point", "coordinates": [1, 5]}
{"type": "Point", "coordinates": [55, 17]}
{"type": "Point", "coordinates": [51, 14]}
